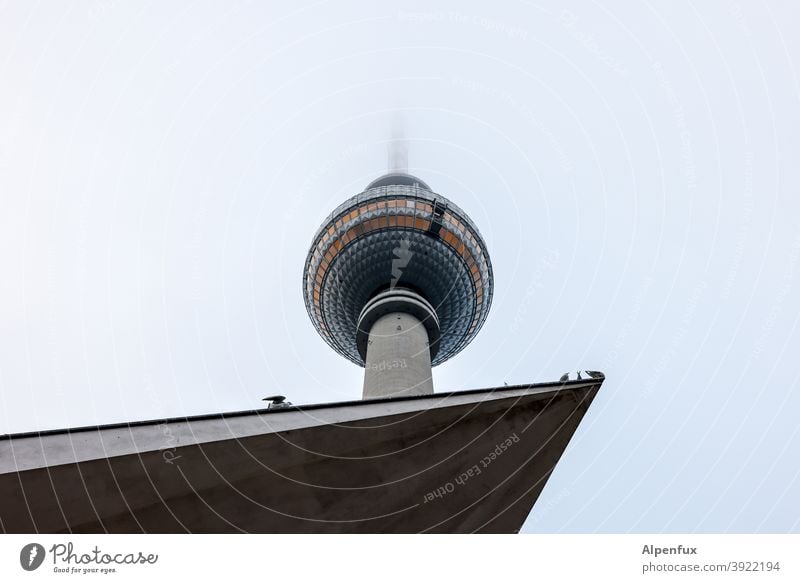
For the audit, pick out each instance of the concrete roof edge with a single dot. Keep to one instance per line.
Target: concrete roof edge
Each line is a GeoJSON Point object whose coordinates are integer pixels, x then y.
{"type": "Point", "coordinates": [572, 384]}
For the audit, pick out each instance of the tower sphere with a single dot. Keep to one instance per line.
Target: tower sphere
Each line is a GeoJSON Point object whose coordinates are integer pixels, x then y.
{"type": "Point", "coordinates": [398, 235]}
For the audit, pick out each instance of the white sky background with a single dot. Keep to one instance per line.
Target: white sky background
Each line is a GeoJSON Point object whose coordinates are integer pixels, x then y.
{"type": "Point", "coordinates": [633, 169]}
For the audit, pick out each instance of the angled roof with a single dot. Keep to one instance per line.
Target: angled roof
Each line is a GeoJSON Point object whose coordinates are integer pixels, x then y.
{"type": "Point", "coordinates": [449, 462]}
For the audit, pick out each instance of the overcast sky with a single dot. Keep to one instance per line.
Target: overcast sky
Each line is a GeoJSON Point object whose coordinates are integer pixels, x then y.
{"type": "Point", "coordinates": [633, 169]}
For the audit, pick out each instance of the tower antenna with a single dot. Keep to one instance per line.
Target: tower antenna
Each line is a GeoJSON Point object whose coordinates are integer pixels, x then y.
{"type": "Point", "coordinates": [398, 147]}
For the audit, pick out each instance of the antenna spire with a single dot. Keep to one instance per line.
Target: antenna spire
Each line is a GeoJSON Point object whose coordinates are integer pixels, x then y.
{"type": "Point", "coordinates": [398, 147]}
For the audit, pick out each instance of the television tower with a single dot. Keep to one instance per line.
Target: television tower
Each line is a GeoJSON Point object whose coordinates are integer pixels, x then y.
{"type": "Point", "coordinates": [398, 279]}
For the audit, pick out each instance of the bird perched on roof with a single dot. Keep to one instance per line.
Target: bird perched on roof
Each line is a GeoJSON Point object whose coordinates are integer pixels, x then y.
{"type": "Point", "coordinates": [593, 374]}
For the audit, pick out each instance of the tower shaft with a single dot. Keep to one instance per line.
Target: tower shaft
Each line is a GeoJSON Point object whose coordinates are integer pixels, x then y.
{"type": "Point", "coordinates": [398, 359]}
{"type": "Point", "coordinates": [398, 336]}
